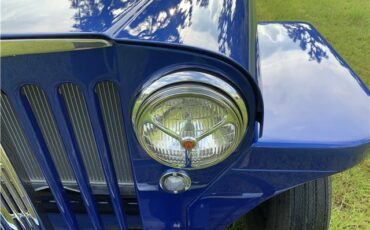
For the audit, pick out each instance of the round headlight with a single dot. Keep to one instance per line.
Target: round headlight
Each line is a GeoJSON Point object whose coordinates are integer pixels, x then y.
{"type": "Point", "coordinates": [189, 120]}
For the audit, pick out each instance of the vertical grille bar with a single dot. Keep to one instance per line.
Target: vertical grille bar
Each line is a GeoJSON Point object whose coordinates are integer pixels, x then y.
{"type": "Point", "coordinates": [63, 143]}
{"type": "Point", "coordinates": [68, 131]}
{"type": "Point", "coordinates": [106, 158]}
{"type": "Point", "coordinates": [111, 110]}
{"type": "Point", "coordinates": [44, 158]}
{"type": "Point", "coordinates": [75, 106]}
{"type": "Point", "coordinates": [46, 123]}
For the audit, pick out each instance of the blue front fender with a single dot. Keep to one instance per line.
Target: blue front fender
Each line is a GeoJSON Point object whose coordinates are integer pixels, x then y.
{"type": "Point", "coordinates": [317, 123]}
{"type": "Point", "coordinates": [316, 119]}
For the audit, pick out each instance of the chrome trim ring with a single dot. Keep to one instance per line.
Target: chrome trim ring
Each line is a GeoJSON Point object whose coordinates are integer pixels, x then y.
{"type": "Point", "coordinates": [189, 83]}
{"type": "Point", "coordinates": [182, 174]}
{"type": "Point", "coordinates": [195, 77]}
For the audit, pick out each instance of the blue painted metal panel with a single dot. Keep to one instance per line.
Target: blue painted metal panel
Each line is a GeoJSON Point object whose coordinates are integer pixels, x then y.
{"type": "Point", "coordinates": [311, 95]}
{"type": "Point", "coordinates": [317, 123]}
{"type": "Point", "coordinates": [263, 173]}
{"type": "Point", "coordinates": [324, 136]}
{"type": "Point", "coordinates": [28, 121]}
{"type": "Point", "coordinates": [109, 221]}
{"type": "Point", "coordinates": [136, 66]}
{"type": "Point", "coordinates": [218, 26]}
{"type": "Point", "coordinates": [106, 159]}
{"type": "Point", "coordinates": [68, 136]}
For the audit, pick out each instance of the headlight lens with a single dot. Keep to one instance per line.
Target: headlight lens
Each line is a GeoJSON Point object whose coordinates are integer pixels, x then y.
{"type": "Point", "coordinates": [188, 124]}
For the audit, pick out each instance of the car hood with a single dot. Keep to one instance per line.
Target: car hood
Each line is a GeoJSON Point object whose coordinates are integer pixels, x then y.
{"type": "Point", "coordinates": [220, 26]}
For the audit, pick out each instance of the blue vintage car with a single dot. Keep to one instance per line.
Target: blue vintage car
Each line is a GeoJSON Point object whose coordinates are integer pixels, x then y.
{"type": "Point", "coordinates": [181, 114]}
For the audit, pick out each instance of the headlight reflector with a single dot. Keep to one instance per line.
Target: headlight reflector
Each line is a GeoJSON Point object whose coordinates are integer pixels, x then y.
{"type": "Point", "coordinates": [189, 124]}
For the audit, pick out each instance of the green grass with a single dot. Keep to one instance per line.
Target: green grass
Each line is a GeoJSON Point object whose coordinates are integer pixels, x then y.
{"type": "Point", "coordinates": [346, 25]}
{"type": "Point", "coordinates": [351, 198]}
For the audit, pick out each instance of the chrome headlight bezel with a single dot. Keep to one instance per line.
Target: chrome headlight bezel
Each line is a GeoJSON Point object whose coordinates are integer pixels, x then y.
{"type": "Point", "coordinates": [192, 84]}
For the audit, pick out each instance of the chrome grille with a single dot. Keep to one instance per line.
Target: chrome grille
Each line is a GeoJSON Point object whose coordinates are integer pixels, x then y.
{"type": "Point", "coordinates": [110, 107]}
{"type": "Point", "coordinates": [16, 207]}
{"type": "Point", "coordinates": [75, 107]}
{"type": "Point", "coordinates": [12, 132]}
{"type": "Point", "coordinates": [45, 147]}
{"type": "Point", "coordinates": [45, 120]}
{"type": "Point", "coordinates": [77, 112]}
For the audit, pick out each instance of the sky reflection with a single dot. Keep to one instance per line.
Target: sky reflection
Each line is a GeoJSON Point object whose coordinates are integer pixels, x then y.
{"type": "Point", "coordinates": [208, 24]}
{"type": "Point", "coordinates": [309, 95]}
{"type": "Point", "coordinates": [217, 25]}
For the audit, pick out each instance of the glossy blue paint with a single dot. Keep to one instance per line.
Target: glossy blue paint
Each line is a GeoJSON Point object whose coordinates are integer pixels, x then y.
{"type": "Point", "coordinates": [317, 123]}
{"type": "Point", "coordinates": [68, 136]}
{"type": "Point", "coordinates": [317, 113]}
{"type": "Point", "coordinates": [43, 156]}
{"type": "Point", "coordinates": [109, 221]}
{"type": "Point", "coordinates": [106, 160]}
{"type": "Point", "coordinates": [312, 96]}
{"type": "Point", "coordinates": [221, 27]}
{"type": "Point", "coordinates": [136, 67]}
